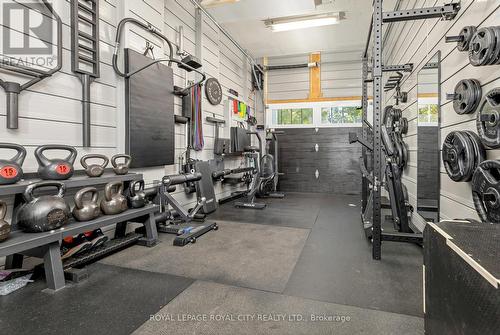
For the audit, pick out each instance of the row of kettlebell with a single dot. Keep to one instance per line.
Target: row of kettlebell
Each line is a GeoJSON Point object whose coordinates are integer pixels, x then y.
{"type": "Point", "coordinates": [59, 168]}
{"type": "Point", "coordinates": [49, 212]}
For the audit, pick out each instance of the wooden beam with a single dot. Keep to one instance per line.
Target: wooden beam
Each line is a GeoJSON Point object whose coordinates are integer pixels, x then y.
{"type": "Point", "coordinates": [315, 77]}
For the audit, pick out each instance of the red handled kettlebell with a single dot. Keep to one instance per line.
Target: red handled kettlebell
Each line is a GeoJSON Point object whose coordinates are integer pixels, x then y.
{"type": "Point", "coordinates": [57, 168]}
{"type": "Point", "coordinates": [11, 169]}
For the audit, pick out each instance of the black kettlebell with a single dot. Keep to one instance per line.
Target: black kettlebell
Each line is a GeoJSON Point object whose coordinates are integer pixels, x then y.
{"type": "Point", "coordinates": [136, 196]}
{"type": "Point", "coordinates": [4, 225]}
{"type": "Point", "coordinates": [44, 213]}
{"type": "Point", "coordinates": [94, 170]}
{"type": "Point", "coordinates": [121, 168]}
{"type": "Point", "coordinates": [57, 168]}
{"type": "Point", "coordinates": [11, 170]}
{"type": "Point", "coordinates": [86, 210]}
{"type": "Point", "coordinates": [114, 201]}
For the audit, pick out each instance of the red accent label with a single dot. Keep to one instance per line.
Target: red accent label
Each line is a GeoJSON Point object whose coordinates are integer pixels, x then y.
{"type": "Point", "coordinates": [9, 172]}
{"type": "Point", "coordinates": [63, 169]}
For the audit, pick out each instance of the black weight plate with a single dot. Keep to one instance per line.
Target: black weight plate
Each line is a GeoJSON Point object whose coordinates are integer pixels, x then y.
{"type": "Point", "coordinates": [494, 54]}
{"type": "Point", "coordinates": [467, 33]}
{"type": "Point", "coordinates": [465, 101]}
{"type": "Point", "coordinates": [398, 152]}
{"type": "Point", "coordinates": [397, 113]}
{"type": "Point", "coordinates": [405, 153]}
{"type": "Point", "coordinates": [498, 45]}
{"type": "Point", "coordinates": [479, 150]}
{"type": "Point", "coordinates": [486, 191]}
{"type": "Point", "coordinates": [478, 92]}
{"type": "Point", "coordinates": [488, 119]}
{"type": "Point", "coordinates": [482, 47]}
{"type": "Point", "coordinates": [457, 155]}
{"type": "Point", "coordinates": [213, 91]}
{"type": "Point", "coordinates": [404, 125]}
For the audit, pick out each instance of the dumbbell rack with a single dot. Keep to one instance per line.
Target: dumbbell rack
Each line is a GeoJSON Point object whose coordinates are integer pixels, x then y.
{"type": "Point", "coordinates": [47, 245]}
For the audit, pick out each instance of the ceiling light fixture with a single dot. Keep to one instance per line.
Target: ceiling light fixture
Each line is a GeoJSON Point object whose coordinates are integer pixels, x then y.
{"type": "Point", "coordinates": [216, 3]}
{"type": "Point", "coordinates": [305, 21]}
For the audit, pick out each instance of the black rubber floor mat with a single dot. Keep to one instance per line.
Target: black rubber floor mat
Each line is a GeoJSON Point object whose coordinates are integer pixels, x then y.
{"type": "Point", "coordinates": [113, 301]}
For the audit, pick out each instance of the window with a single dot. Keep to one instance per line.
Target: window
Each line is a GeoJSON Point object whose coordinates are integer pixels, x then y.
{"type": "Point", "coordinates": [428, 113]}
{"type": "Point", "coordinates": [315, 114]}
{"type": "Point", "coordinates": [341, 114]}
{"type": "Point", "coordinates": [293, 116]}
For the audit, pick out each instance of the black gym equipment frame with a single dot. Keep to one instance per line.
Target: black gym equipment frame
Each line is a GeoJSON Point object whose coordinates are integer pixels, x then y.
{"type": "Point", "coordinates": [446, 12]}
{"type": "Point", "coordinates": [186, 231]}
{"type": "Point", "coordinates": [13, 89]}
{"type": "Point", "coordinates": [170, 59]}
{"type": "Point", "coordinates": [85, 54]}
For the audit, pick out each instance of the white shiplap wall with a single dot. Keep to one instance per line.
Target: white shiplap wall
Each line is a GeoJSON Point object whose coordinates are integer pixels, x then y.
{"type": "Point", "coordinates": [416, 42]}
{"type": "Point", "coordinates": [340, 76]}
{"type": "Point", "coordinates": [50, 111]}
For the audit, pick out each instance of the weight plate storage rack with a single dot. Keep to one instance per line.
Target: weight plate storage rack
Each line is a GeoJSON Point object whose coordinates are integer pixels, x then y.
{"type": "Point", "coordinates": [375, 35]}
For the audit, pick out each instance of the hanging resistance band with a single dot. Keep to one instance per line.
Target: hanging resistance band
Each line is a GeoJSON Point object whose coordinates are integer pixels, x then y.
{"type": "Point", "coordinates": [197, 118]}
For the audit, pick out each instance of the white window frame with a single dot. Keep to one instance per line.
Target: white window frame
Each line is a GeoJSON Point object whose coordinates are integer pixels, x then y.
{"type": "Point", "coordinates": [316, 107]}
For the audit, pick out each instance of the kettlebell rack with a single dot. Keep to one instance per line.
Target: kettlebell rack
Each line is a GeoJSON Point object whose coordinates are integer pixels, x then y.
{"type": "Point", "coordinates": [375, 35]}
{"type": "Point", "coordinates": [46, 245]}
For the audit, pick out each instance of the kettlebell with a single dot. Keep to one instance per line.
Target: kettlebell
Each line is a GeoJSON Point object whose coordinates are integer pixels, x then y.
{"type": "Point", "coordinates": [4, 226]}
{"type": "Point", "coordinates": [44, 213]}
{"type": "Point", "coordinates": [114, 201]}
{"type": "Point", "coordinates": [11, 169]}
{"type": "Point", "coordinates": [136, 196]}
{"type": "Point", "coordinates": [94, 170]}
{"type": "Point", "coordinates": [86, 210]}
{"type": "Point", "coordinates": [121, 168]}
{"type": "Point", "coordinates": [55, 169]}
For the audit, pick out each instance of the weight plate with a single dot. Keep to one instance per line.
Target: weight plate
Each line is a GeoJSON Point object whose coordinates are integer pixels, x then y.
{"type": "Point", "coordinates": [467, 96]}
{"type": "Point", "coordinates": [498, 45]}
{"type": "Point", "coordinates": [479, 150]}
{"type": "Point", "coordinates": [482, 47]}
{"type": "Point", "coordinates": [397, 113]}
{"type": "Point", "coordinates": [404, 125]}
{"type": "Point", "coordinates": [457, 155]}
{"type": "Point", "coordinates": [466, 33]}
{"type": "Point", "coordinates": [213, 91]}
{"type": "Point", "coordinates": [496, 55]}
{"type": "Point", "coordinates": [493, 57]}
{"type": "Point", "coordinates": [488, 119]}
{"type": "Point", "coordinates": [405, 153]}
{"type": "Point", "coordinates": [486, 191]}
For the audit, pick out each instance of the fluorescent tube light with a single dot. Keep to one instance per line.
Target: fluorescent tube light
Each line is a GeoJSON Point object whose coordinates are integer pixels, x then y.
{"type": "Point", "coordinates": [302, 22]}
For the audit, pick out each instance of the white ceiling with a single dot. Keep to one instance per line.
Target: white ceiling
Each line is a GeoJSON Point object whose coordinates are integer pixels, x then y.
{"type": "Point", "coordinates": [244, 21]}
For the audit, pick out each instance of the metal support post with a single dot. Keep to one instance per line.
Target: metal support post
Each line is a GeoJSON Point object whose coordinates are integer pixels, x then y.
{"type": "Point", "coordinates": [364, 104]}
{"type": "Point", "coordinates": [377, 111]}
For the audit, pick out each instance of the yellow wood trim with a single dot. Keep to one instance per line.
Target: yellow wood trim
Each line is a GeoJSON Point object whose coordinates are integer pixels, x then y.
{"type": "Point", "coordinates": [428, 95]}
{"type": "Point", "coordinates": [315, 77]}
{"type": "Point", "coordinates": [321, 99]}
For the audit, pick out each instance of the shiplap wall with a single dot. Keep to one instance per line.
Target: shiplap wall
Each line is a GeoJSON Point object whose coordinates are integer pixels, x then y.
{"type": "Point", "coordinates": [340, 76]}
{"type": "Point", "coordinates": [50, 111]}
{"type": "Point", "coordinates": [416, 42]}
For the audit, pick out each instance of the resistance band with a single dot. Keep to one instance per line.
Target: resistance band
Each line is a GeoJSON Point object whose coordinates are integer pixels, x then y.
{"type": "Point", "coordinates": [197, 118]}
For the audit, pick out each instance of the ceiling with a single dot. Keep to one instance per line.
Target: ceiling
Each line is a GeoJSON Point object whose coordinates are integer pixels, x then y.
{"type": "Point", "coordinates": [244, 21]}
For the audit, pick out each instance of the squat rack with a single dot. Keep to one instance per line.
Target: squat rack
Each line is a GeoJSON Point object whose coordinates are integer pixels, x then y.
{"type": "Point", "coordinates": [445, 12]}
